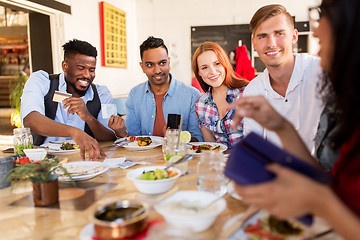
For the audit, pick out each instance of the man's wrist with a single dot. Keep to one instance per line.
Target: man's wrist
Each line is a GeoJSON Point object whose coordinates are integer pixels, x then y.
{"type": "Point", "coordinates": [121, 133]}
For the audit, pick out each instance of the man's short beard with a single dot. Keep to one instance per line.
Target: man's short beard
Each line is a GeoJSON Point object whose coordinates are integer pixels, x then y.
{"type": "Point", "coordinates": [78, 91]}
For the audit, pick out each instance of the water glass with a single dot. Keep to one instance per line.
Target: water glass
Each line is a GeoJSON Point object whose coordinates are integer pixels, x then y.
{"type": "Point", "coordinates": [173, 150]}
{"type": "Point", "coordinates": [210, 171]}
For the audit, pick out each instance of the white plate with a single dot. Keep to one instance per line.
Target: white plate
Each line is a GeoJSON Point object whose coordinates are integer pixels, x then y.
{"type": "Point", "coordinates": [317, 227]}
{"type": "Point", "coordinates": [156, 141]}
{"type": "Point", "coordinates": [84, 176]}
{"type": "Point", "coordinates": [88, 232]}
{"type": "Point", "coordinates": [53, 147]}
{"type": "Point", "coordinates": [223, 147]}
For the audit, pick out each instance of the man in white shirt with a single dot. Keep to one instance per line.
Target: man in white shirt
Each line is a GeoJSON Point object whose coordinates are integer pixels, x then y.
{"type": "Point", "coordinates": [290, 81]}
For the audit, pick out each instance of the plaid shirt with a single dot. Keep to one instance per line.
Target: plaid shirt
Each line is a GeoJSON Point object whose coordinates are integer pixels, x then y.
{"type": "Point", "coordinates": [208, 116]}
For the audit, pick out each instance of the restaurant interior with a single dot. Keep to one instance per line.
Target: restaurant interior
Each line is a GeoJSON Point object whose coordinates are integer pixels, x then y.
{"type": "Point", "coordinates": [116, 197]}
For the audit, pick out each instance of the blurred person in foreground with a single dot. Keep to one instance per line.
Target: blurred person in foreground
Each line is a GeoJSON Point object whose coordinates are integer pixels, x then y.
{"type": "Point", "coordinates": [77, 117]}
{"type": "Point", "coordinates": [150, 102]}
{"type": "Point", "coordinates": [337, 25]}
{"type": "Point", "coordinates": [290, 81]}
{"type": "Point", "coordinates": [222, 87]}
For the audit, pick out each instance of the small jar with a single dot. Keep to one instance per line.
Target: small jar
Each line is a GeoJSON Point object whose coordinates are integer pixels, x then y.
{"type": "Point", "coordinates": [22, 140]}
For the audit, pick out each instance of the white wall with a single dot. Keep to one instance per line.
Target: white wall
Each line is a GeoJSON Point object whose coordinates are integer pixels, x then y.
{"type": "Point", "coordinates": [84, 24]}
{"type": "Point", "coordinates": [168, 19]}
{"type": "Point", "coordinates": [172, 19]}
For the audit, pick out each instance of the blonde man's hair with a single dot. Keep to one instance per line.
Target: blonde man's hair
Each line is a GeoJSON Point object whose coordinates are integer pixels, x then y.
{"type": "Point", "coordinates": [266, 12]}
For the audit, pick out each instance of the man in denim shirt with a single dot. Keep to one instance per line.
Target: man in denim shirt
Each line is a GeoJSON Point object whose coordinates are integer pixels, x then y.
{"type": "Point", "coordinates": [149, 103]}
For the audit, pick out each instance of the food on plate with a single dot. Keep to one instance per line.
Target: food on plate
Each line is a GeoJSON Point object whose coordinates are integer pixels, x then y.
{"type": "Point", "coordinates": [144, 141]}
{"type": "Point", "coordinates": [78, 169]}
{"type": "Point", "coordinates": [187, 207]}
{"type": "Point", "coordinates": [141, 141]}
{"type": "Point", "coordinates": [205, 147]}
{"type": "Point", "coordinates": [157, 174]}
{"type": "Point", "coordinates": [272, 228]}
{"type": "Point", "coordinates": [130, 138]}
{"type": "Point", "coordinates": [24, 160]}
{"type": "Point", "coordinates": [69, 146]}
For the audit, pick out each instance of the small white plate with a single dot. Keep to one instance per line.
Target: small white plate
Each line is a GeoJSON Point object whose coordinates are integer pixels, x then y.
{"type": "Point", "coordinates": [84, 176]}
{"type": "Point", "coordinates": [156, 141]}
{"type": "Point", "coordinates": [223, 147]}
{"type": "Point", "coordinates": [88, 232]}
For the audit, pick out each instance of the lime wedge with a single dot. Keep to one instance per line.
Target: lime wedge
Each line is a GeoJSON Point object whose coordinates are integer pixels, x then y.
{"type": "Point", "coordinates": [175, 158]}
{"type": "Point", "coordinates": [185, 136]}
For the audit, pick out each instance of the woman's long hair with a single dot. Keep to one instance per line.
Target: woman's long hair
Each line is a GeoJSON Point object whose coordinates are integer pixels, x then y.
{"type": "Point", "coordinates": [232, 80]}
{"type": "Point", "coordinates": [343, 79]}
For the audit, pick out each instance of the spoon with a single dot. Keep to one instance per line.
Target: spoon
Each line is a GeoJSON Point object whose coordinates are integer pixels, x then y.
{"type": "Point", "coordinates": [181, 160]}
{"type": "Point", "coordinates": [197, 209]}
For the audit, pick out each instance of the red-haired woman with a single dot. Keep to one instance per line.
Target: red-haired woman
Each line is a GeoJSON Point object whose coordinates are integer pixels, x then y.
{"type": "Point", "coordinates": [222, 86]}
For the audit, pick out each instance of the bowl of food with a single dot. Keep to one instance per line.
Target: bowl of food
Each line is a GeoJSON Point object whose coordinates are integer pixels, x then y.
{"type": "Point", "coordinates": [35, 154]}
{"type": "Point", "coordinates": [186, 209]}
{"type": "Point", "coordinates": [119, 219]}
{"type": "Point", "coordinates": [153, 179]}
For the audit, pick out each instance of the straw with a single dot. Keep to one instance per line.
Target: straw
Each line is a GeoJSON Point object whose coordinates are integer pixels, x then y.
{"type": "Point", "coordinates": [180, 126]}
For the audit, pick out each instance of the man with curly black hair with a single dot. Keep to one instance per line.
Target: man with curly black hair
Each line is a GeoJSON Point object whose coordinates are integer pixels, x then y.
{"type": "Point", "coordinates": [77, 117]}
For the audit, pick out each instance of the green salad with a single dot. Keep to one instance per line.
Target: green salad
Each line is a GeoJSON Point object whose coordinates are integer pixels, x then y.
{"type": "Point", "coordinates": [157, 174]}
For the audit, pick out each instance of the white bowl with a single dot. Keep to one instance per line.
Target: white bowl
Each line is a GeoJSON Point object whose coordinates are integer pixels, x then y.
{"type": "Point", "coordinates": [197, 221]}
{"type": "Point", "coordinates": [152, 186]}
{"type": "Point", "coordinates": [35, 154]}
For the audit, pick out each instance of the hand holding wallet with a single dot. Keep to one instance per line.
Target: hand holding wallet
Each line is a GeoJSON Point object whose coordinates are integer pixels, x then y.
{"type": "Point", "coordinates": [247, 162]}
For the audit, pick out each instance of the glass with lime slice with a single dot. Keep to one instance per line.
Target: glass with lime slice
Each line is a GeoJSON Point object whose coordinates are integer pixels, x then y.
{"type": "Point", "coordinates": [173, 149]}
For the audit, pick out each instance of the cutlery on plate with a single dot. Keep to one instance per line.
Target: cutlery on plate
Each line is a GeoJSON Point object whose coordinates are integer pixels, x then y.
{"type": "Point", "coordinates": [249, 213]}
{"type": "Point", "coordinates": [321, 234]}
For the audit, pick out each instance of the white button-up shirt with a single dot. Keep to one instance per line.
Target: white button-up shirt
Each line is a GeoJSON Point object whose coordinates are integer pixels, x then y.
{"type": "Point", "coordinates": [302, 104]}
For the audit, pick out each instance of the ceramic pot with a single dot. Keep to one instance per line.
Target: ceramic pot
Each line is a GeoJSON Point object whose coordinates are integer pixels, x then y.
{"type": "Point", "coordinates": [46, 193]}
{"type": "Point", "coordinates": [114, 229]}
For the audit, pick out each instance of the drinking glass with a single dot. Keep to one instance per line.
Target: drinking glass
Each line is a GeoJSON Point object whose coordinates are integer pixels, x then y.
{"type": "Point", "coordinates": [210, 171]}
{"type": "Point", "coordinates": [173, 150]}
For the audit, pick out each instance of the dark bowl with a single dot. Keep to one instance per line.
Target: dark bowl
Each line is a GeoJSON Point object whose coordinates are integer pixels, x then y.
{"type": "Point", "coordinates": [114, 221]}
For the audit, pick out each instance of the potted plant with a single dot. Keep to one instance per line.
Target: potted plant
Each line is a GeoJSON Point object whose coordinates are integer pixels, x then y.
{"type": "Point", "coordinates": [43, 178]}
{"type": "Point", "coordinates": [16, 90]}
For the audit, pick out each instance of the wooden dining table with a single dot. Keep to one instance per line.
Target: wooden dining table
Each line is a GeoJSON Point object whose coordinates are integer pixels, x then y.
{"type": "Point", "coordinates": [20, 219]}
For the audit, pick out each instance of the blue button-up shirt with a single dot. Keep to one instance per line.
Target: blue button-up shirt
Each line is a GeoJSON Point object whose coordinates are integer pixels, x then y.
{"type": "Point", "coordinates": [179, 99]}
{"type": "Point", "coordinates": [38, 85]}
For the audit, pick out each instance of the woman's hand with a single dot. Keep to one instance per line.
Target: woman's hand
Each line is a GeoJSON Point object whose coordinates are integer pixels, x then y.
{"type": "Point", "coordinates": [290, 194]}
{"type": "Point", "coordinates": [260, 110]}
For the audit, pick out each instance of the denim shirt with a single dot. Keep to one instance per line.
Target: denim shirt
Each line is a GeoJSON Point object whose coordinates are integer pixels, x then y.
{"type": "Point", "coordinates": [179, 99]}
{"type": "Point", "coordinates": [324, 146]}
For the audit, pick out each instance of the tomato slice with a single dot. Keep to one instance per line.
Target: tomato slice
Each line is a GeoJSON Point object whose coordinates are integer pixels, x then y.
{"type": "Point", "coordinates": [24, 160]}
